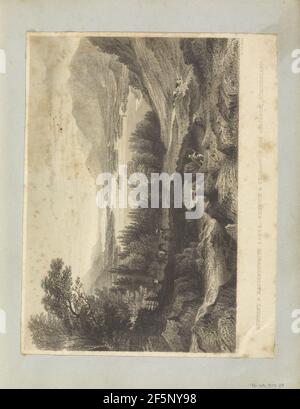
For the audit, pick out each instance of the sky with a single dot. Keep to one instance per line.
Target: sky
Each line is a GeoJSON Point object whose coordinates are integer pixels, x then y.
{"type": "Point", "coordinates": [60, 190]}
{"type": "Point", "coordinates": [61, 217]}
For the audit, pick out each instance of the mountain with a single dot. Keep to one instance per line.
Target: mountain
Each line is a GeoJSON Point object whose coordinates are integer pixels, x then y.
{"type": "Point", "coordinates": [99, 88]}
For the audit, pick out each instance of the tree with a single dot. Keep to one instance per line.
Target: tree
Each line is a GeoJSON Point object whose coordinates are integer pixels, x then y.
{"type": "Point", "coordinates": [146, 146]}
{"type": "Point", "coordinates": [75, 318]}
{"type": "Point", "coordinates": [139, 239]}
{"type": "Point", "coordinates": [113, 311]}
{"type": "Point", "coordinates": [62, 298]}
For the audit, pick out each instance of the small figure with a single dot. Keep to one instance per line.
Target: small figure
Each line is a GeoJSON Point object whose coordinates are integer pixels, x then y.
{"type": "Point", "coordinates": [162, 256]}
{"type": "Point", "coordinates": [177, 91]}
{"type": "Point", "coordinates": [196, 158]}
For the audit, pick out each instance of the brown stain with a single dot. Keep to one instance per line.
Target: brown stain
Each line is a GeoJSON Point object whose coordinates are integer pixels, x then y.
{"type": "Point", "coordinates": [270, 349]}
{"type": "Point", "coordinates": [267, 147]}
{"type": "Point", "coordinates": [265, 177]}
{"type": "Point", "coordinates": [245, 355]}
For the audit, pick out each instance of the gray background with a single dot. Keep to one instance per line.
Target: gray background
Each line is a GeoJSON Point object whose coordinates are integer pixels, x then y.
{"type": "Point", "coordinates": [253, 16]}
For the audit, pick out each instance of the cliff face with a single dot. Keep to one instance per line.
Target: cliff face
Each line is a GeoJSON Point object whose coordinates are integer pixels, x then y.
{"type": "Point", "coordinates": [215, 63]}
{"type": "Point", "coordinates": [158, 70]}
{"type": "Point", "coordinates": [202, 314]}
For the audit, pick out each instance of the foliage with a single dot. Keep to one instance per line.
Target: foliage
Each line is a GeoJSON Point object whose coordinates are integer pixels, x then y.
{"type": "Point", "coordinates": [140, 237]}
{"type": "Point", "coordinates": [146, 146]}
{"type": "Point", "coordinates": [130, 283]}
{"type": "Point", "coordinates": [102, 318]}
{"type": "Point", "coordinates": [48, 332]}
